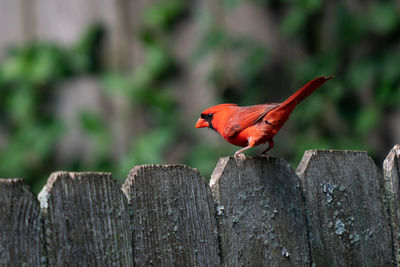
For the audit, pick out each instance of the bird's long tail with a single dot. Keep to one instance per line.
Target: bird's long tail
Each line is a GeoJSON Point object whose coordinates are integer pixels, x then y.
{"type": "Point", "coordinates": [303, 92]}
{"type": "Point", "coordinates": [281, 113]}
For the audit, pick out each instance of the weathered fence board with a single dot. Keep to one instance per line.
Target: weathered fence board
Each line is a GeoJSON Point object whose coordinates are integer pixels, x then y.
{"type": "Point", "coordinates": [86, 220]}
{"type": "Point", "coordinates": [391, 169]}
{"type": "Point", "coordinates": [342, 211]}
{"type": "Point", "coordinates": [173, 217]}
{"type": "Point", "coordinates": [349, 225]}
{"type": "Point", "coordinates": [262, 218]}
{"type": "Point", "coordinates": [20, 228]}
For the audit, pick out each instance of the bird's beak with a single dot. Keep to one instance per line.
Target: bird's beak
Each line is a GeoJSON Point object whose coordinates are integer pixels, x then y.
{"type": "Point", "coordinates": [201, 123]}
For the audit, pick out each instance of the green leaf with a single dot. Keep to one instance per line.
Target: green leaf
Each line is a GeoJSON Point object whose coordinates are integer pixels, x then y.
{"type": "Point", "coordinates": [383, 17]}
{"type": "Point", "coordinates": [308, 113]}
{"type": "Point", "coordinates": [361, 73]}
{"type": "Point", "coordinates": [92, 123]}
{"type": "Point", "coordinates": [85, 56]}
{"type": "Point", "coordinates": [36, 64]}
{"type": "Point", "coordinates": [94, 126]}
{"type": "Point", "coordinates": [158, 64]}
{"type": "Point", "coordinates": [117, 83]}
{"type": "Point", "coordinates": [368, 119]}
{"type": "Point", "coordinates": [164, 14]}
{"type": "Point", "coordinates": [351, 27]}
{"type": "Point", "coordinates": [21, 105]}
{"type": "Point", "coordinates": [388, 94]}
{"type": "Point", "coordinates": [293, 22]}
{"type": "Point", "coordinates": [214, 39]}
{"type": "Point", "coordinates": [254, 63]}
{"type": "Point", "coordinates": [390, 71]}
{"type": "Point", "coordinates": [47, 65]}
{"type": "Point", "coordinates": [147, 149]}
{"type": "Point", "coordinates": [43, 137]}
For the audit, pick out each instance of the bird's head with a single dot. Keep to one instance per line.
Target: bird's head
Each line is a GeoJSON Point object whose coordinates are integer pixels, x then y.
{"type": "Point", "coordinates": [211, 116]}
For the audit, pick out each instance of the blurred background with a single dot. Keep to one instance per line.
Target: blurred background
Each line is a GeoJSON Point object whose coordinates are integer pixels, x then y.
{"type": "Point", "coordinates": [105, 85]}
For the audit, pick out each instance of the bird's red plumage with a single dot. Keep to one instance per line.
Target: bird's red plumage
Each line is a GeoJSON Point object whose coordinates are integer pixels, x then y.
{"type": "Point", "coordinates": [254, 125]}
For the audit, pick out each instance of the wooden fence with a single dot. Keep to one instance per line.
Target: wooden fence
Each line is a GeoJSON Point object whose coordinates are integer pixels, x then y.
{"type": "Point", "coordinates": [338, 210]}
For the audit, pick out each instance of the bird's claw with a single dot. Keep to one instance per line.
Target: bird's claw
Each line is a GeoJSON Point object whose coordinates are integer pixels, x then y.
{"type": "Point", "coordinates": [239, 156]}
{"type": "Point", "coordinates": [264, 156]}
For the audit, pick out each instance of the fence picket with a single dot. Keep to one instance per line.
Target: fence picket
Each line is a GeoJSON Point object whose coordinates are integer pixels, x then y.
{"type": "Point", "coordinates": [20, 228]}
{"type": "Point", "coordinates": [261, 213]}
{"type": "Point", "coordinates": [344, 194]}
{"type": "Point", "coordinates": [340, 211]}
{"type": "Point", "coordinates": [86, 220]}
{"type": "Point", "coordinates": [173, 217]}
{"type": "Point", "coordinates": [391, 171]}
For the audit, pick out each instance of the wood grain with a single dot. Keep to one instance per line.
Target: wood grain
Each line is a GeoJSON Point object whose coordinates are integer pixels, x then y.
{"type": "Point", "coordinates": [86, 220]}
{"type": "Point", "coordinates": [261, 213]}
{"type": "Point", "coordinates": [349, 225]}
{"type": "Point", "coordinates": [256, 213]}
{"type": "Point", "coordinates": [173, 217]}
{"type": "Point", "coordinates": [391, 170]}
{"type": "Point", "coordinates": [20, 227]}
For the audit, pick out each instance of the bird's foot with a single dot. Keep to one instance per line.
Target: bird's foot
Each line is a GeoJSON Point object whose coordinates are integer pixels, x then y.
{"type": "Point", "coordinates": [264, 155]}
{"type": "Point", "coordinates": [239, 155]}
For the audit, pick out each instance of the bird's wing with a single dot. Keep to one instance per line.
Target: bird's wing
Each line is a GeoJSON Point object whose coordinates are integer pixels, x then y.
{"type": "Point", "coordinates": [245, 117]}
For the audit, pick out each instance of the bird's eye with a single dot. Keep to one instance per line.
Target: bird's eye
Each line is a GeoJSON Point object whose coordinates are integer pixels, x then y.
{"type": "Point", "coordinates": [206, 116]}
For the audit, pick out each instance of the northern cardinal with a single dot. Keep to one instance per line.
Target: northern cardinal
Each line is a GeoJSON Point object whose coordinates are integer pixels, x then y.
{"type": "Point", "coordinates": [254, 125]}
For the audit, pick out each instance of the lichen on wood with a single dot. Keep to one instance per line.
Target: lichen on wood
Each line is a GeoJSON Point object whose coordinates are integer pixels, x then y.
{"type": "Point", "coordinates": [261, 214]}
{"type": "Point", "coordinates": [344, 196]}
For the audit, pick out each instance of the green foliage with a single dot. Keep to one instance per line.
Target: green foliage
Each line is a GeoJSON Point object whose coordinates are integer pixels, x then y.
{"type": "Point", "coordinates": [95, 127]}
{"type": "Point", "coordinates": [85, 56]}
{"type": "Point", "coordinates": [358, 46]}
{"type": "Point", "coordinates": [213, 40]}
{"type": "Point", "coordinates": [294, 21]}
{"type": "Point", "coordinates": [360, 53]}
{"type": "Point", "coordinates": [28, 77]}
{"type": "Point", "coordinates": [382, 17]}
{"type": "Point", "coordinates": [34, 65]}
{"type": "Point", "coordinates": [164, 14]}
{"type": "Point", "coordinates": [148, 88]}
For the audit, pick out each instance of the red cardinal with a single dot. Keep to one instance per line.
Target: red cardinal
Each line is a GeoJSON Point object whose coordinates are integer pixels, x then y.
{"type": "Point", "coordinates": [254, 125]}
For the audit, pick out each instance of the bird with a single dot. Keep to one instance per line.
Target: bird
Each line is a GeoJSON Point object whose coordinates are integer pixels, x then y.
{"type": "Point", "coordinates": [250, 126]}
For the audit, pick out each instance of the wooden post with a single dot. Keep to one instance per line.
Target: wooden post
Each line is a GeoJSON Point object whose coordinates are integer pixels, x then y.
{"type": "Point", "coordinates": [391, 169]}
{"type": "Point", "coordinates": [86, 220]}
{"type": "Point", "coordinates": [172, 216]}
{"type": "Point", "coordinates": [261, 213]}
{"type": "Point", "coordinates": [20, 228]}
{"type": "Point", "coordinates": [349, 225]}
